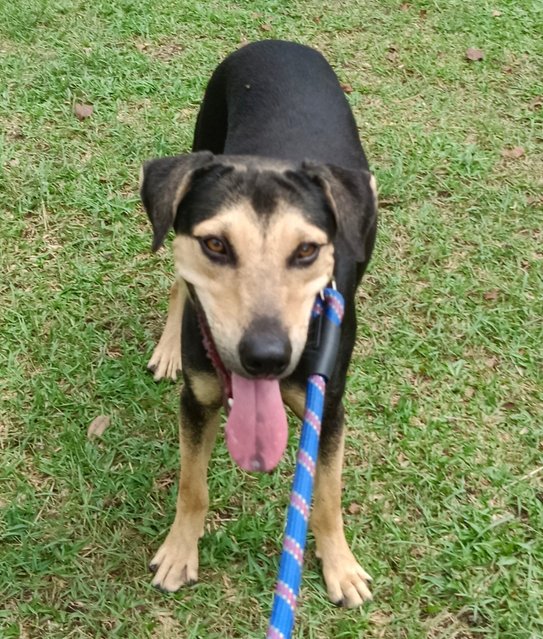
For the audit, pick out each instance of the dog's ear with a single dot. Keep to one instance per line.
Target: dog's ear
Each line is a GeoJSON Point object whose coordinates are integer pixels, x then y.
{"type": "Point", "coordinates": [164, 183]}
{"type": "Point", "coordinates": [352, 197]}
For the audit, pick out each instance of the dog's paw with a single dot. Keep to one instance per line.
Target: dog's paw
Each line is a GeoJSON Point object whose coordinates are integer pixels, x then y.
{"type": "Point", "coordinates": [166, 361]}
{"type": "Point", "coordinates": [346, 581]}
{"type": "Point", "coordinates": [175, 565]}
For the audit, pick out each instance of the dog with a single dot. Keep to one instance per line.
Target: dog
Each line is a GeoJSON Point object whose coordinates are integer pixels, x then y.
{"type": "Point", "coordinates": [273, 203]}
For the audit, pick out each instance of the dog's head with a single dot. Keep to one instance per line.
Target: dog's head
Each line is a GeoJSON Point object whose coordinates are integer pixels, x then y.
{"type": "Point", "coordinates": [255, 240]}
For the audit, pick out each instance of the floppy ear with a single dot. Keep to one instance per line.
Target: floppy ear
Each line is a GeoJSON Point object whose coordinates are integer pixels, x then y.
{"type": "Point", "coordinates": [352, 197]}
{"type": "Point", "coordinates": [163, 184]}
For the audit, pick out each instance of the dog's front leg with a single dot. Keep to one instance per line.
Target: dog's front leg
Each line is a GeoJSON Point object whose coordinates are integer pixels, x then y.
{"type": "Point", "coordinates": [176, 562]}
{"type": "Point", "coordinates": [346, 581]}
{"type": "Point", "coordinates": [166, 358]}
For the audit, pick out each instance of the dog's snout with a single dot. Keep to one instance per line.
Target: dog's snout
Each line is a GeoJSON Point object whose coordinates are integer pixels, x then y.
{"type": "Point", "coordinates": [264, 355]}
{"type": "Point", "coordinates": [265, 349]}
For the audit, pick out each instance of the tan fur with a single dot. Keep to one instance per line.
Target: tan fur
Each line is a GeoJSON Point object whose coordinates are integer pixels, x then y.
{"type": "Point", "coordinates": [264, 164]}
{"type": "Point", "coordinates": [373, 187]}
{"type": "Point", "coordinates": [294, 397]}
{"type": "Point", "coordinates": [181, 191]}
{"type": "Point", "coordinates": [206, 388]}
{"type": "Point", "coordinates": [260, 283]}
{"type": "Point", "coordinates": [166, 358]}
{"type": "Point", "coordinates": [176, 562]}
{"type": "Point", "coordinates": [345, 579]}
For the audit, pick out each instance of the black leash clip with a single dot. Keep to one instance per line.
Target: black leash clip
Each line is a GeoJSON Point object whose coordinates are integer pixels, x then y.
{"type": "Point", "coordinates": [324, 334]}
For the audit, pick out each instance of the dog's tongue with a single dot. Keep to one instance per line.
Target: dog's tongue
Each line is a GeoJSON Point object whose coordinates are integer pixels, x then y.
{"type": "Point", "coordinates": [256, 428]}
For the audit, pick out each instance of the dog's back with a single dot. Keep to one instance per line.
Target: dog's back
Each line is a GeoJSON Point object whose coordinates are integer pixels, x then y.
{"type": "Point", "coordinates": [281, 100]}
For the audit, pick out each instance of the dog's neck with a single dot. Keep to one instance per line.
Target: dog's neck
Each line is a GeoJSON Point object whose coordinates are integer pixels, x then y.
{"type": "Point", "coordinates": [211, 350]}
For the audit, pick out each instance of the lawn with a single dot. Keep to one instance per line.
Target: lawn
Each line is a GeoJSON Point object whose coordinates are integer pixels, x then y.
{"type": "Point", "coordinates": [443, 494]}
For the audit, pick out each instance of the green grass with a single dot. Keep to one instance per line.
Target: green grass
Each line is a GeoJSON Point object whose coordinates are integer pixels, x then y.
{"type": "Point", "coordinates": [445, 393]}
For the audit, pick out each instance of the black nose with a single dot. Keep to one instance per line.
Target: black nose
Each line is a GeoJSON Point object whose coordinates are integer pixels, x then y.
{"type": "Point", "coordinates": [265, 349]}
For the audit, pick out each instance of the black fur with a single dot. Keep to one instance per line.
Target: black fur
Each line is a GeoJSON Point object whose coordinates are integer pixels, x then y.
{"type": "Point", "coordinates": [219, 184]}
{"type": "Point", "coordinates": [279, 100]}
{"type": "Point", "coordinates": [161, 187]}
{"type": "Point", "coordinates": [274, 100]}
{"type": "Point", "coordinates": [274, 125]}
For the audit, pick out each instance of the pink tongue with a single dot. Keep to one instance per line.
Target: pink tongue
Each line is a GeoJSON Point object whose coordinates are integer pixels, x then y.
{"type": "Point", "coordinates": [256, 429]}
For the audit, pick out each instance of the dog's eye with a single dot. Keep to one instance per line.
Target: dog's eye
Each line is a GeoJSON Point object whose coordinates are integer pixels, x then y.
{"type": "Point", "coordinates": [215, 248]}
{"type": "Point", "coordinates": [305, 254]}
{"type": "Point", "coordinates": [215, 245]}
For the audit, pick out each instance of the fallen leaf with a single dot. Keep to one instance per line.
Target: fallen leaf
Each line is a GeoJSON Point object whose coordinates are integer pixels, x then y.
{"type": "Point", "coordinates": [404, 6]}
{"type": "Point", "coordinates": [423, 13]}
{"type": "Point", "coordinates": [98, 426]}
{"type": "Point", "coordinates": [496, 13]}
{"type": "Point", "coordinates": [474, 55]}
{"type": "Point", "coordinates": [266, 27]}
{"type": "Point", "coordinates": [354, 508]}
{"type": "Point", "coordinates": [507, 69]}
{"type": "Point", "coordinates": [83, 111]}
{"type": "Point", "coordinates": [347, 88]}
{"type": "Point", "coordinates": [509, 405]}
{"type": "Point", "coordinates": [492, 295]}
{"type": "Point", "coordinates": [513, 154]}
{"type": "Point", "coordinates": [537, 103]}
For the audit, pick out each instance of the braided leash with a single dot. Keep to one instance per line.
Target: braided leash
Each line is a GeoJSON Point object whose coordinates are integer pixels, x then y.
{"type": "Point", "coordinates": [329, 308]}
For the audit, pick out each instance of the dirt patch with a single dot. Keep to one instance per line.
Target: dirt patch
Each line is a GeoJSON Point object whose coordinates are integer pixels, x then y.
{"type": "Point", "coordinates": [165, 51]}
{"type": "Point", "coordinates": [446, 625]}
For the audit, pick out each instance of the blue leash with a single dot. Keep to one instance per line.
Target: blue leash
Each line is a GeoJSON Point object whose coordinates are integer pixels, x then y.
{"type": "Point", "coordinates": [328, 313]}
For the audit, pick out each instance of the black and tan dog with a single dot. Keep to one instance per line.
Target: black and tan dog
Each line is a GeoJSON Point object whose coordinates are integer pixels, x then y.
{"type": "Point", "coordinates": [273, 203]}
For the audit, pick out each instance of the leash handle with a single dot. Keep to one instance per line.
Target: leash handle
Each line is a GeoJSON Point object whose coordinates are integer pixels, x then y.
{"type": "Point", "coordinates": [330, 308]}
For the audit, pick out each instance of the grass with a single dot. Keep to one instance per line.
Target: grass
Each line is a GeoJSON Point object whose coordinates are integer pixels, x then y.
{"type": "Point", "coordinates": [443, 481]}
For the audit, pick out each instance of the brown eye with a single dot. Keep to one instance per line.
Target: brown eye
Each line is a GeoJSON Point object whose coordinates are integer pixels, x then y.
{"type": "Point", "coordinates": [305, 254]}
{"type": "Point", "coordinates": [217, 249]}
{"type": "Point", "coordinates": [215, 245]}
